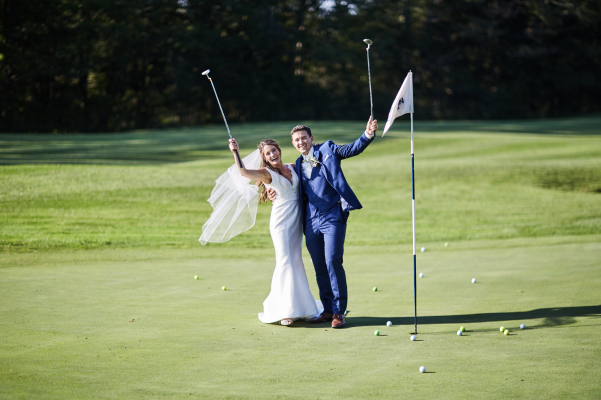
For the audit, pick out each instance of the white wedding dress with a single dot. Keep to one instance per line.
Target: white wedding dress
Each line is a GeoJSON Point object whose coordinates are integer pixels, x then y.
{"type": "Point", "coordinates": [290, 296]}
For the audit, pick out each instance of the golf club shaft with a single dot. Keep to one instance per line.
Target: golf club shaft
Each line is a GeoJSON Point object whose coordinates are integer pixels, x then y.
{"type": "Point", "coordinates": [369, 77]}
{"type": "Point", "coordinates": [226, 125]}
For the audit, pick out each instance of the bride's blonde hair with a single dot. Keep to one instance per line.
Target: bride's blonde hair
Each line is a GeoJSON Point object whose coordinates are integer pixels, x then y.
{"type": "Point", "coordinates": [266, 164]}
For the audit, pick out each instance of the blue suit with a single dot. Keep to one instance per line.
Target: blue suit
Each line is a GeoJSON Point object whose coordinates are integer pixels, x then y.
{"type": "Point", "coordinates": [327, 200]}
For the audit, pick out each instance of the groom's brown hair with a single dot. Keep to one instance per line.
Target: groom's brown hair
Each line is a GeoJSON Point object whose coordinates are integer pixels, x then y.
{"type": "Point", "coordinates": [299, 128]}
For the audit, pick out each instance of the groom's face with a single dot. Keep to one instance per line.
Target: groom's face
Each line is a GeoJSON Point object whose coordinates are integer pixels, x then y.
{"type": "Point", "coordinates": [302, 142]}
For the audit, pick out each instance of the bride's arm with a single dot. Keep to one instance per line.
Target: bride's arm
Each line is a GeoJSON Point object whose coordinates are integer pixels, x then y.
{"type": "Point", "coordinates": [252, 174]}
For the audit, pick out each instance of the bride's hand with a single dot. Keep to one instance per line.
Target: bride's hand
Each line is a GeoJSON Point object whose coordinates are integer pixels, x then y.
{"type": "Point", "coordinates": [233, 145]}
{"type": "Point", "coordinates": [271, 194]}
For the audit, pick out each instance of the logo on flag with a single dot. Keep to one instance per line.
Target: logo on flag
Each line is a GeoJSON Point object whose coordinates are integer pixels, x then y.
{"type": "Point", "coordinates": [403, 103]}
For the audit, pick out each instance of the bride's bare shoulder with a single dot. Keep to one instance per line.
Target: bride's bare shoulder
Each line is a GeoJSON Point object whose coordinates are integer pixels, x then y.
{"type": "Point", "coordinates": [293, 166]}
{"type": "Point", "coordinates": [262, 174]}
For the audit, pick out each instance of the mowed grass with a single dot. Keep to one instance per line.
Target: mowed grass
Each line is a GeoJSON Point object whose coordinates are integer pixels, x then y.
{"type": "Point", "coordinates": [469, 185]}
{"type": "Point", "coordinates": [97, 258]}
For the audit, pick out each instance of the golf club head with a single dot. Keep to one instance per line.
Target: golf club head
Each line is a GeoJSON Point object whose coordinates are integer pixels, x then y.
{"type": "Point", "coordinates": [206, 72]}
{"type": "Point", "coordinates": [368, 41]}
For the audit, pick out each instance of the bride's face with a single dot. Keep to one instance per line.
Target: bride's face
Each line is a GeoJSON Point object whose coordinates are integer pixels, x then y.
{"type": "Point", "coordinates": [272, 155]}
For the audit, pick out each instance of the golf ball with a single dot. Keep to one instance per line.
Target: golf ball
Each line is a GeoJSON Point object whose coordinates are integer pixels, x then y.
{"type": "Point", "coordinates": [422, 369]}
{"type": "Point", "coordinates": [459, 333]}
{"type": "Point", "coordinates": [462, 329]}
{"type": "Point", "coordinates": [446, 244]}
{"type": "Point", "coordinates": [474, 280]}
{"type": "Point", "coordinates": [502, 328]}
{"type": "Point", "coordinates": [389, 323]}
{"type": "Point", "coordinates": [421, 274]}
{"type": "Point", "coordinates": [375, 289]}
{"type": "Point", "coordinates": [196, 277]}
{"type": "Point", "coordinates": [222, 287]}
{"type": "Point", "coordinates": [506, 332]}
{"type": "Point", "coordinates": [522, 326]}
{"type": "Point", "coordinates": [413, 338]}
{"type": "Point", "coordinates": [423, 249]}
{"type": "Point", "coordinates": [377, 333]}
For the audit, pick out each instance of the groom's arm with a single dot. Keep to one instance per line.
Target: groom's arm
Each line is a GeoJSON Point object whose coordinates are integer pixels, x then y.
{"type": "Point", "coordinates": [357, 147]}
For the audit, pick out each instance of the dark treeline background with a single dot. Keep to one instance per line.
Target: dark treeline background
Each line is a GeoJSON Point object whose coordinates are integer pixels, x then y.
{"type": "Point", "coordinates": [114, 65]}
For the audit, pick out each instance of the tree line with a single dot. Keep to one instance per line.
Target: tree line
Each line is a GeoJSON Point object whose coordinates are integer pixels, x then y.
{"type": "Point", "coordinates": [116, 65]}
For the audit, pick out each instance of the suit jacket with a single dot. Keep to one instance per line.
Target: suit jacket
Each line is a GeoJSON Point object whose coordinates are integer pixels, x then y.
{"type": "Point", "coordinates": [329, 156]}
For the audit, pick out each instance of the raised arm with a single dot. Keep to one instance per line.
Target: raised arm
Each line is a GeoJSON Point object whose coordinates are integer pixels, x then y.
{"type": "Point", "coordinates": [252, 174]}
{"type": "Point", "coordinates": [357, 147]}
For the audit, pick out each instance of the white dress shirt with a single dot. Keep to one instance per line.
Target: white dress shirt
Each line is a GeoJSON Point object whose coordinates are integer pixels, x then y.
{"type": "Point", "coordinates": [307, 167]}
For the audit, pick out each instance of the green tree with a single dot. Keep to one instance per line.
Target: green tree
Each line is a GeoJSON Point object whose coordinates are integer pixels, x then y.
{"type": "Point", "coordinates": [100, 65]}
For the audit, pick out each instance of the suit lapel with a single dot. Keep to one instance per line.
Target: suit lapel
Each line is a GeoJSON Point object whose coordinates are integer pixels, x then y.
{"type": "Point", "coordinates": [299, 173]}
{"type": "Point", "coordinates": [316, 169]}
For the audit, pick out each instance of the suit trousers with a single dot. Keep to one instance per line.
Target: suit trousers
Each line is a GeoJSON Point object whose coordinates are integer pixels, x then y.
{"type": "Point", "coordinates": [325, 233]}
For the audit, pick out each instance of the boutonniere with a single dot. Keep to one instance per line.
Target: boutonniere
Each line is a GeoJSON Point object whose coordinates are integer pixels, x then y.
{"type": "Point", "coordinates": [312, 160]}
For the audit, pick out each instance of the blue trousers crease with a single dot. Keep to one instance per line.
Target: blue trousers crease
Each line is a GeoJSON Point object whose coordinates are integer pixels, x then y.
{"type": "Point", "coordinates": [325, 233]}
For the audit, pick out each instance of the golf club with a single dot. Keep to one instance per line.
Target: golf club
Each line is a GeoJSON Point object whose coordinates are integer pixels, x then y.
{"type": "Point", "coordinates": [206, 73]}
{"type": "Point", "coordinates": [369, 43]}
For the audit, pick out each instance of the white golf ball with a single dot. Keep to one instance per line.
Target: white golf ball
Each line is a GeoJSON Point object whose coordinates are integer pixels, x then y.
{"type": "Point", "coordinates": [389, 323]}
{"type": "Point", "coordinates": [423, 249]}
{"type": "Point", "coordinates": [522, 326]}
{"type": "Point", "coordinates": [422, 369]}
{"type": "Point", "coordinates": [421, 274]}
{"type": "Point", "coordinates": [474, 280]}
{"type": "Point", "coordinates": [459, 333]}
{"type": "Point", "coordinates": [413, 338]}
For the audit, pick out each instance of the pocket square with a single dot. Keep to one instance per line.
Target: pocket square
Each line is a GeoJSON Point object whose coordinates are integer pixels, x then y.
{"type": "Point", "coordinates": [327, 156]}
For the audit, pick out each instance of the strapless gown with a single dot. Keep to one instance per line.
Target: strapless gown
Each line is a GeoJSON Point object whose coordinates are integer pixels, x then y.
{"type": "Point", "coordinates": [290, 296]}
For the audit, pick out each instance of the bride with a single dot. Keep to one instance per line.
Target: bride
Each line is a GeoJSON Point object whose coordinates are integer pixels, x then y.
{"type": "Point", "coordinates": [235, 205]}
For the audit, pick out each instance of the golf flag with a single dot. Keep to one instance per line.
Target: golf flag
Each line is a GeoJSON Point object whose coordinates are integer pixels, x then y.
{"type": "Point", "coordinates": [403, 103]}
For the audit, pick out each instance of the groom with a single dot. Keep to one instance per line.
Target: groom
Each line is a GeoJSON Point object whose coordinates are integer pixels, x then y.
{"type": "Point", "coordinates": [326, 201]}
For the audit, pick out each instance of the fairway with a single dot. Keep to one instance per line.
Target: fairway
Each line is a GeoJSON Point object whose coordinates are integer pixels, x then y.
{"type": "Point", "coordinates": [98, 250]}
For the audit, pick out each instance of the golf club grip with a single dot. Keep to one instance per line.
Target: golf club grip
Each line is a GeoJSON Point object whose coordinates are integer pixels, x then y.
{"type": "Point", "coordinates": [239, 160]}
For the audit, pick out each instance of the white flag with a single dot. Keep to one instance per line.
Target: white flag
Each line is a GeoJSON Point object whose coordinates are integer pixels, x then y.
{"type": "Point", "coordinates": [403, 103]}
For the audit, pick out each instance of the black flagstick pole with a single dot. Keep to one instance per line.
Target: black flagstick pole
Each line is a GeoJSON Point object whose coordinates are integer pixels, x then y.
{"type": "Point", "coordinates": [413, 212]}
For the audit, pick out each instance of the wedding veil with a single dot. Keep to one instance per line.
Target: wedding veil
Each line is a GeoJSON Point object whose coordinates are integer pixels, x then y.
{"type": "Point", "coordinates": [234, 200]}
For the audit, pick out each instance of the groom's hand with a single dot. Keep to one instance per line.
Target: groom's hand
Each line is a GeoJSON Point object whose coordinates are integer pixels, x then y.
{"type": "Point", "coordinates": [271, 195]}
{"type": "Point", "coordinates": [372, 127]}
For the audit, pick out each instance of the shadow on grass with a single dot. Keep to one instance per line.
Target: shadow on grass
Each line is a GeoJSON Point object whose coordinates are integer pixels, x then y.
{"type": "Point", "coordinates": [210, 141]}
{"type": "Point", "coordinates": [150, 147]}
{"type": "Point", "coordinates": [551, 317]}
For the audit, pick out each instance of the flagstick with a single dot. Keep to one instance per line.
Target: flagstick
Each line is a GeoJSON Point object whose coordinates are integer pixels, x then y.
{"type": "Point", "coordinates": [413, 214]}
{"type": "Point", "coordinates": [395, 111]}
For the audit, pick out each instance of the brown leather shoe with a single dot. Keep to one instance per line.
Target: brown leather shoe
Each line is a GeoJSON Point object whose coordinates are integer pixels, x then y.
{"type": "Point", "coordinates": [323, 317]}
{"type": "Point", "coordinates": [338, 321]}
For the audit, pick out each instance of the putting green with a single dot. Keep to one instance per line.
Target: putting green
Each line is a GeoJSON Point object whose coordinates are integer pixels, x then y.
{"type": "Point", "coordinates": [97, 264]}
{"type": "Point", "coordinates": [142, 327]}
